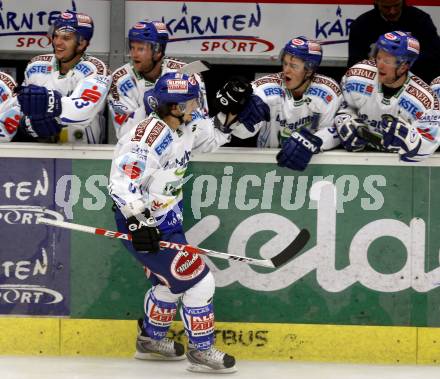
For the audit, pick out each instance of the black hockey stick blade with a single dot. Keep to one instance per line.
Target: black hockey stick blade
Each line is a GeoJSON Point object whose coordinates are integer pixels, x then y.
{"type": "Point", "coordinates": [293, 249]}
{"type": "Point", "coordinates": [375, 139]}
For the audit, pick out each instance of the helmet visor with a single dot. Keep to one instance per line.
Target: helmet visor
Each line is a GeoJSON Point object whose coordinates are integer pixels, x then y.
{"type": "Point", "coordinates": [189, 106]}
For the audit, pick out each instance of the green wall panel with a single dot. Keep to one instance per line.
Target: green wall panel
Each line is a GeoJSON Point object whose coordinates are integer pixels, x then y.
{"type": "Point", "coordinates": [355, 269]}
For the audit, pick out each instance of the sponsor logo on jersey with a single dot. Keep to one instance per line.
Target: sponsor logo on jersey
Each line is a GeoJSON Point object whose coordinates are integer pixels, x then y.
{"type": "Point", "coordinates": [187, 266]}
{"type": "Point", "coordinates": [419, 95]}
{"type": "Point", "coordinates": [8, 81]}
{"type": "Point", "coordinates": [118, 74]}
{"type": "Point", "coordinates": [39, 69]}
{"type": "Point", "coordinates": [174, 65]}
{"type": "Point", "coordinates": [11, 124]}
{"type": "Point", "coordinates": [140, 152]}
{"type": "Point", "coordinates": [133, 169]}
{"type": "Point", "coordinates": [114, 92]}
{"type": "Point", "coordinates": [100, 67]}
{"type": "Point", "coordinates": [83, 68]}
{"type": "Point", "coordinates": [319, 92]}
{"type": "Point", "coordinates": [91, 94]}
{"type": "Point", "coordinates": [436, 81]}
{"type": "Point", "coordinates": [306, 120]}
{"type": "Point", "coordinates": [359, 87]}
{"type": "Point", "coordinates": [155, 132]}
{"type": "Point", "coordinates": [410, 107]}
{"type": "Point", "coordinates": [329, 83]}
{"type": "Point", "coordinates": [362, 72]}
{"type": "Point", "coordinates": [421, 83]}
{"type": "Point", "coordinates": [268, 79]}
{"type": "Point", "coordinates": [42, 58]}
{"type": "Point", "coordinates": [140, 130]}
{"type": "Point", "coordinates": [126, 86]}
{"type": "Point", "coordinates": [426, 133]}
{"type": "Point", "coordinates": [162, 145]}
{"type": "Point", "coordinates": [3, 94]}
{"type": "Point", "coordinates": [274, 91]}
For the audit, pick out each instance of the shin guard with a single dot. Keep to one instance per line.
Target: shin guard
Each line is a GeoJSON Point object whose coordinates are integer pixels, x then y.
{"type": "Point", "coordinates": [158, 316]}
{"type": "Point", "coordinates": [199, 325]}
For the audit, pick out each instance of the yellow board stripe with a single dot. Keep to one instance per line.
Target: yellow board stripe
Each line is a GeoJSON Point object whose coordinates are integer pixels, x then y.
{"type": "Point", "coordinates": [252, 341]}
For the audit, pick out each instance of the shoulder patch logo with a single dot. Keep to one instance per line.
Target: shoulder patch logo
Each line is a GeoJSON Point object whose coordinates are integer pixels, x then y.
{"type": "Point", "coordinates": [155, 132]}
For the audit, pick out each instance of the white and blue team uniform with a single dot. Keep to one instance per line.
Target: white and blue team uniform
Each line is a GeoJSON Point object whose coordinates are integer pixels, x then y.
{"type": "Point", "coordinates": [150, 163]}
{"type": "Point", "coordinates": [315, 111]}
{"type": "Point", "coordinates": [147, 172]}
{"type": "Point", "coordinates": [126, 97]}
{"type": "Point", "coordinates": [10, 114]}
{"type": "Point", "coordinates": [415, 104]}
{"type": "Point", "coordinates": [84, 90]}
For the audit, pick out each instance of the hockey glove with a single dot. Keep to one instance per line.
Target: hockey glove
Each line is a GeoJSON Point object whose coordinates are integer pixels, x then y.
{"type": "Point", "coordinates": [347, 128]}
{"type": "Point", "coordinates": [42, 127]}
{"type": "Point", "coordinates": [298, 149]}
{"type": "Point", "coordinates": [144, 234]}
{"type": "Point", "coordinates": [402, 137]}
{"type": "Point", "coordinates": [233, 96]}
{"type": "Point", "coordinates": [39, 101]}
{"type": "Point", "coordinates": [255, 111]}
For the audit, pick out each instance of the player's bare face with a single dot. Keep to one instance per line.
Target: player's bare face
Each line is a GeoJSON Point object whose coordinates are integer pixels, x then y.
{"type": "Point", "coordinates": [64, 45]}
{"type": "Point", "coordinates": [387, 68]}
{"type": "Point", "coordinates": [293, 71]}
{"type": "Point", "coordinates": [391, 10]}
{"type": "Point", "coordinates": [141, 55]}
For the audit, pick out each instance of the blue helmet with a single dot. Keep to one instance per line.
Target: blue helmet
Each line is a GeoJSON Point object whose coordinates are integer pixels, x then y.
{"type": "Point", "coordinates": [71, 21]}
{"type": "Point", "coordinates": [308, 50]}
{"type": "Point", "coordinates": [154, 32]}
{"type": "Point", "coordinates": [172, 88]}
{"type": "Point", "coordinates": [402, 45]}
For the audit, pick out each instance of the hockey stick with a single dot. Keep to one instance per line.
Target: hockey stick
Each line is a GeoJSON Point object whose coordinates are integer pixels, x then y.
{"type": "Point", "coordinates": [375, 139]}
{"type": "Point", "coordinates": [284, 256]}
{"type": "Point", "coordinates": [195, 67]}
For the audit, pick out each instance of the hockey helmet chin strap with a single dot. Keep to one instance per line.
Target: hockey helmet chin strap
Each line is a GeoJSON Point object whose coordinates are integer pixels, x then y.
{"type": "Point", "coordinates": [305, 79]}
{"type": "Point", "coordinates": [396, 76]}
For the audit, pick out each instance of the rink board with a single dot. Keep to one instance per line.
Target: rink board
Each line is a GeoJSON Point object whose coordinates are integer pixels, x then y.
{"type": "Point", "coordinates": [250, 341]}
{"type": "Point", "coordinates": [365, 288]}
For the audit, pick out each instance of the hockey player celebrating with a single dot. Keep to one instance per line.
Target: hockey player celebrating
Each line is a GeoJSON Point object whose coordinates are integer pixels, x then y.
{"type": "Point", "coordinates": [63, 95]}
{"type": "Point", "coordinates": [293, 109]}
{"type": "Point", "coordinates": [146, 183]}
{"type": "Point", "coordinates": [147, 43]}
{"type": "Point", "coordinates": [386, 106]}
{"type": "Point", "coordinates": [9, 108]}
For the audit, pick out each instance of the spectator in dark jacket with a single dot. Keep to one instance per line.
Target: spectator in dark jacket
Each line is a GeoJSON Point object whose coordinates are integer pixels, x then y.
{"type": "Point", "coordinates": [390, 15]}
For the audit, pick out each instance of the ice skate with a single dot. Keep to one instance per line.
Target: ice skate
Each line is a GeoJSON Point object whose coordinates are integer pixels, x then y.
{"type": "Point", "coordinates": [211, 360]}
{"type": "Point", "coordinates": [150, 349]}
